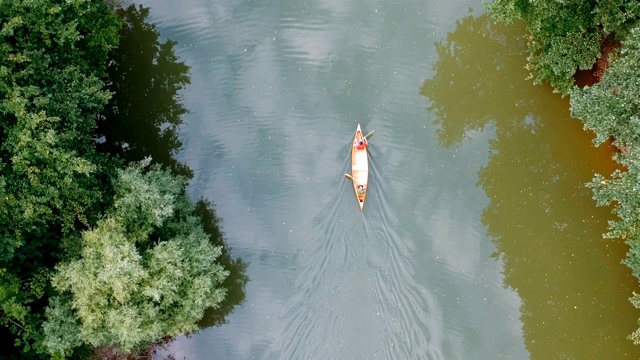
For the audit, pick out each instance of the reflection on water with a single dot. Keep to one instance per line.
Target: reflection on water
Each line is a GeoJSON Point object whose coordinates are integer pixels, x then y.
{"type": "Point", "coordinates": [546, 229]}
{"type": "Point", "coordinates": [236, 281]}
{"type": "Point", "coordinates": [145, 111]}
{"type": "Point", "coordinates": [144, 114]}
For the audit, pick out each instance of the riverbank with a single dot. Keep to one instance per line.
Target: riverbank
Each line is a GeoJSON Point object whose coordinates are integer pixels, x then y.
{"type": "Point", "coordinates": [99, 240]}
{"type": "Point", "coordinates": [593, 59]}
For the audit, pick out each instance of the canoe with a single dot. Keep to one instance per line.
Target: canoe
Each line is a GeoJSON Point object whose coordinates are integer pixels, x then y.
{"type": "Point", "coordinates": [359, 167]}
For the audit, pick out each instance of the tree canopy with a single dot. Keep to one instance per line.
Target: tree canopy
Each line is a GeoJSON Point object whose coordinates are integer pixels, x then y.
{"type": "Point", "coordinates": [566, 35]}
{"type": "Point", "coordinates": [97, 249]}
{"type": "Point", "coordinates": [146, 271]}
{"type": "Point", "coordinates": [52, 56]}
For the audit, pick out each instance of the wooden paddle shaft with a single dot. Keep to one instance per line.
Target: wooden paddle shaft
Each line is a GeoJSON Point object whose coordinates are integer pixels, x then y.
{"type": "Point", "coordinates": [369, 134]}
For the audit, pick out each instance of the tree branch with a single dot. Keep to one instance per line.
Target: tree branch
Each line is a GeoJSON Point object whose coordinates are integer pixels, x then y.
{"type": "Point", "coordinates": [12, 321]}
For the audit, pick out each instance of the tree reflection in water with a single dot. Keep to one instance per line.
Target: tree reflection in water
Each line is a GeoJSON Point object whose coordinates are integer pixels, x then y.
{"type": "Point", "coordinates": [237, 279]}
{"type": "Point", "coordinates": [542, 220]}
{"type": "Point", "coordinates": [145, 76]}
{"type": "Point", "coordinates": [142, 120]}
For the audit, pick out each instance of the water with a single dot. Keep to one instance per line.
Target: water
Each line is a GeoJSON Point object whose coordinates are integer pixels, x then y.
{"type": "Point", "coordinates": [478, 239]}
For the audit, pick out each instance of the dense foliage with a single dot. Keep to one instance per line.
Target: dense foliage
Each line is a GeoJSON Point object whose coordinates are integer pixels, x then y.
{"type": "Point", "coordinates": [566, 36]}
{"type": "Point", "coordinates": [146, 270]}
{"type": "Point", "coordinates": [611, 108]}
{"type": "Point", "coordinates": [51, 64]}
{"type": "Point", "coordinates": [94, 252]}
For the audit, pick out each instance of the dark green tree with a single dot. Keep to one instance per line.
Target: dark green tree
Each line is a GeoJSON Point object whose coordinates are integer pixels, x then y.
{"type": "Point", "coordinates": [566, 35]}
{"type": "Point", "coordinates": [65, 206]}
{"type": "Point", "coordinates": [52, 56]}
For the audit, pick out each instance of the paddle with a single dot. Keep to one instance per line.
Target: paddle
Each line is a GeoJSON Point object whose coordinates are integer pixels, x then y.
{"type": "Point", "coordinates": [349, 176]}
{"type": "Point", "coordinates": [369, 134]}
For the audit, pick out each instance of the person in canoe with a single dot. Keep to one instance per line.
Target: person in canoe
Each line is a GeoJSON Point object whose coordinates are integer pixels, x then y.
{"type": "Point", "coordinates": [361, 189]}
{"type": "Point", "coordinates": [361, 144]}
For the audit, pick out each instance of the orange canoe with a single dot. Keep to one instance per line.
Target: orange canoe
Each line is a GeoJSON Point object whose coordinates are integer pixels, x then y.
{"type": "Point", "coordinates": [360, 166]}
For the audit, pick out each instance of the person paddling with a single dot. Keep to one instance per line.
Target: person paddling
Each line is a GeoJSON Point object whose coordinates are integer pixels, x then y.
{"type": "Point", "coordinates": [361, 144]}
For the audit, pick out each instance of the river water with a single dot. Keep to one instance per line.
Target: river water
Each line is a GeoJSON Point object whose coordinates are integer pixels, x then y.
{"type": "Point", "coordinates": [478, 239]}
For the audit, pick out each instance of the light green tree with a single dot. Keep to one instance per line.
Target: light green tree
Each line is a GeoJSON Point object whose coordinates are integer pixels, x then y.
{"type": "Point", "coordinates": [147, 271]}
{"type": "Point", "coordinates": [611, 109]}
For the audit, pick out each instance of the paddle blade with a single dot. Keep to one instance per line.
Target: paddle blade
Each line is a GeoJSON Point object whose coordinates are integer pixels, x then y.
{"type": "Point", "coordinates": [348, 176]}
{"type": "Point", "coordinates": [369, 134]}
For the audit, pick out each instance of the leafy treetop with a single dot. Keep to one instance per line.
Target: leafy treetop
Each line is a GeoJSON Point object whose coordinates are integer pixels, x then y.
{"type": "Point", "coordinates": [147, 270]}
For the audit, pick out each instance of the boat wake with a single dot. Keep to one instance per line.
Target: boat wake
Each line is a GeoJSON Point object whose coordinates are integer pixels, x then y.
{"type": "Point", "coordinates": [357, 296]}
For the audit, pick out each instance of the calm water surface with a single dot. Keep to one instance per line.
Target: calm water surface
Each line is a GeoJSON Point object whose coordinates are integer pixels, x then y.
{"type": "Point", "coordinates": [478, 239]}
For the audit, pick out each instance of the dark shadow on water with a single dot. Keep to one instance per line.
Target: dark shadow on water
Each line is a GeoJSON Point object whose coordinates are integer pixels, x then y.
{"type": "Point", "coordinates": [236, 281]}
{"type": "Point", "coordinates": [145, 76]}
{"type": "Point", "coordinates": [542, 220]}
{"type": "Point", "coordinates": [142, 120]}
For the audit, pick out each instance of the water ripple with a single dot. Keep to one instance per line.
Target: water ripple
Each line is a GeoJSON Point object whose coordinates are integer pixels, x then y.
{"type": "Point", "coordinates": [277, 90]}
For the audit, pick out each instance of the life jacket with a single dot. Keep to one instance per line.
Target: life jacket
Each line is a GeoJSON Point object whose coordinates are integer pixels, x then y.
{"type": "Point", "coordinates": [361, 146]}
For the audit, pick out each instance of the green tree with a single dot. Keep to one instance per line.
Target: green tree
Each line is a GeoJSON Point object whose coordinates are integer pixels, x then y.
{"type": "Point", "coordinates": [62, 202]}
{"type": "Point", "coordinates": [143, 73]}
{"type": "Point", "coordinates": [565, 35]}
{"type": "Point", "coordinates": [144, 113]}
{"type": "Point", "coordinates": [611, 109]}
{"type": "Point", "coordinates": [147, 271]}
{"type": "Point", "coordinates": [52, 56]}
{"type": "Point", "coordinates": [51, 60]}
